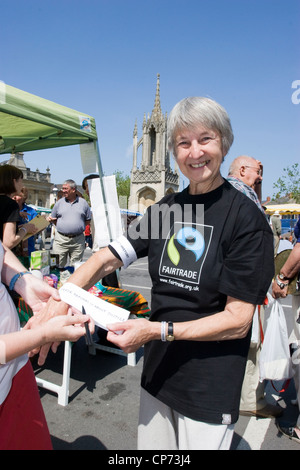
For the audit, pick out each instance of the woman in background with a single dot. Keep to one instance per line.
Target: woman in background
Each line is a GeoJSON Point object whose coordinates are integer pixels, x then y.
{"type": "Point", "coordinates": [11, 183]}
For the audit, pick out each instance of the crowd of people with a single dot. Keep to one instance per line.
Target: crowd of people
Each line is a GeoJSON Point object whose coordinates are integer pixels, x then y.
{"type": "Point", "coordinates": [209, 270]}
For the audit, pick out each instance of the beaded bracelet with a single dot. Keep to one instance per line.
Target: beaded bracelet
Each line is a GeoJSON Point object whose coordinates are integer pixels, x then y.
{"type": "Point", "coordinates": [15, 278]}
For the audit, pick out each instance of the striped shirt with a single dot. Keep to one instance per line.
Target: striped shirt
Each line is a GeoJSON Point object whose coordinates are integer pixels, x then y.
{"type": "Point", "coordinates": [245, 189]}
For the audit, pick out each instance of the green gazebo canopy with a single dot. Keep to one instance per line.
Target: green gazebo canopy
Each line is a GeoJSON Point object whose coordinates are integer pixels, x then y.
{"type": "Point", "coordinates": [28, 122]}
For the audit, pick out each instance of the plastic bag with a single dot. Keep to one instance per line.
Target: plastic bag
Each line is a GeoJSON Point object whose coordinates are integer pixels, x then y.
{"type": "Point", "coordinates": [275, 360]}
{"type": "Point", "coordinates": [255, 335]}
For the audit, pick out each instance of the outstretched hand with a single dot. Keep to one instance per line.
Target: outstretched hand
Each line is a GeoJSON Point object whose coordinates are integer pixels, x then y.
{"type": "Point", "coordinates": [37, 293]}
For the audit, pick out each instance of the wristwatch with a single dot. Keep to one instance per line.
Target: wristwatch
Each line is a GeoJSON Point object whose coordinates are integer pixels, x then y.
{"type": "Point", "coordinates": [282, 285]}
{"type": "Point", "coordinates": [170, 335]}
{"type": "Point", "coordinates": [282, 277]}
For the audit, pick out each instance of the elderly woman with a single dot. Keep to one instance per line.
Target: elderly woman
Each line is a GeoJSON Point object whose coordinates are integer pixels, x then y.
{"type": "Point", "coordinates": [211, 261]}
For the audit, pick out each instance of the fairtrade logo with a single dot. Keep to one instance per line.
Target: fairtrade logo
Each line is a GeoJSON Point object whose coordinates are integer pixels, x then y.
{"type": "Point", "coordinates": [190, 239]}
{"type": "Point", "coordinates": [85, 123]}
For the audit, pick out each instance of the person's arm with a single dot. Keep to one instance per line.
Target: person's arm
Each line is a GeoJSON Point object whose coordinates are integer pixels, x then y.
{"type": "Point", "coordinates": [232, 323]}
{"type": "Point", "coordinates": [99, 265]}
{"type": "Point", "coordinates": [289, 270]}
{"type": "Point", "coordinates": [61, 328]}
{"type": "Point", "coordinates": [35, 292]}
{"type": "Point", "coordinates": [11, 238]}
{"type": "Point", "coordinates": [52, 220]}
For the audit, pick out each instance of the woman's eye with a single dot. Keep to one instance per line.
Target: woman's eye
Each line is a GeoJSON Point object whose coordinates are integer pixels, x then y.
{"type": "Point", "coordinates": [183, 143]}
{"type": "Point", "coordinates": [206, 139]}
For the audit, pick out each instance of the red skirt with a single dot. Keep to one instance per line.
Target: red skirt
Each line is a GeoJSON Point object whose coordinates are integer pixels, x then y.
{"type": "Point", "coordinates": [23, 424]}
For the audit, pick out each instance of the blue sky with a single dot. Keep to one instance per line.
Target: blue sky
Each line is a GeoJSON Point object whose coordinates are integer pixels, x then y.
{"type": "Point", "coordinates": [101, 57]}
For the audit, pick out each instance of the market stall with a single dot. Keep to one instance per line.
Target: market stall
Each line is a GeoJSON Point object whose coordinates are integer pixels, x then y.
{"type": "Point", "coordinates": [283, 209]}
{"type": "Point", "coordinates": [289, 215]}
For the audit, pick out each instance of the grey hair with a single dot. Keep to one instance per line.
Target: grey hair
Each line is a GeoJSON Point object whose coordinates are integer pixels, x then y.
{"type": "Point", "coordinates": [193, 111]}
{"type": "Point", "coordinates": [71, 183]}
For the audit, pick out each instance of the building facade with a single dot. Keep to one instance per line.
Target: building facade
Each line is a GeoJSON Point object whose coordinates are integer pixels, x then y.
{"type": "Point", "coordinates": [152, 176]}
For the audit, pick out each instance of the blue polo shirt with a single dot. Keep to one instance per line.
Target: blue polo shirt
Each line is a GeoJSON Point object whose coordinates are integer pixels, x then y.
{"type": "Point", "coordinates": [31, 213]}
{"type": "Point", "coordinates": [71, 216]}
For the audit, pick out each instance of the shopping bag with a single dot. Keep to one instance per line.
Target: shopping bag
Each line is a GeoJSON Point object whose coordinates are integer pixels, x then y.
{"type": "Point", "coordinates": [255, 334]}
{"type": "Point", "coordinates": [275, 360]}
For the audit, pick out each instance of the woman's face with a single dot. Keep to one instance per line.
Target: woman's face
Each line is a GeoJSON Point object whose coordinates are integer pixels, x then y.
{"type": "Point", "coordinates": [199, 156]}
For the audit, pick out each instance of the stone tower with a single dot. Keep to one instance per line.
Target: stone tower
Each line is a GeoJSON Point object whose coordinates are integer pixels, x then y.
{"type": "Point", "coordinates": [154, 177]}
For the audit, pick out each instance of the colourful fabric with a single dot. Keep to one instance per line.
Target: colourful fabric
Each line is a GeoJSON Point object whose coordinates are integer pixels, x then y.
{"type": "Point", "coordinates": [130, 300]}
{"type": "Point", "coordinates": [24, 311]}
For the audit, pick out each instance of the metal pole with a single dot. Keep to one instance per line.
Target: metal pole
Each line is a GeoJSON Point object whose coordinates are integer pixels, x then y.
{"type": "Point", "coordinates": [102, 189]}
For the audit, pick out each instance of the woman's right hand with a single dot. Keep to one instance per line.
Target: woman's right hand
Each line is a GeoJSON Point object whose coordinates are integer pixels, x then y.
{"type": "Point", "coordinates": [30, 228]}
{"type": "Point", "coordinates": [68, 327]}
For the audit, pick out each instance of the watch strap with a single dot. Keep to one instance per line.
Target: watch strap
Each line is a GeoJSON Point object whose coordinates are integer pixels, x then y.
{"type": "Point", "coordinates": [170, 334]}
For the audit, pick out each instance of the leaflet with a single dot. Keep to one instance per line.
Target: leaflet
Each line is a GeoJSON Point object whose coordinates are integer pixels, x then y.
{"type": "Point", "coordinates": [101, 311]}
{"type": "Point", "coordinates": [40, 222]}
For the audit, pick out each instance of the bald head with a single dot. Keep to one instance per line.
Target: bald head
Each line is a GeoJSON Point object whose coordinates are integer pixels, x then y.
{"type": "Point", "coordinates": [238, 162]}
{"type": "Point", "coordinates": [247, 169]}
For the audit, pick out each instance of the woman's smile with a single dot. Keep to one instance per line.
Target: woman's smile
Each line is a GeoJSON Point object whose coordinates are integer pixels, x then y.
{"type": "Point", "coordinates": [199, 165]}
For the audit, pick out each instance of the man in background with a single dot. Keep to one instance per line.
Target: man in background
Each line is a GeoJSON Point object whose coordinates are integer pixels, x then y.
{"type": "Point", "coordinates": [70, 215]}
{"type": "Point", "coordinates": [245, 174]}
{"type": "Point", "coordinates": [276, 228]}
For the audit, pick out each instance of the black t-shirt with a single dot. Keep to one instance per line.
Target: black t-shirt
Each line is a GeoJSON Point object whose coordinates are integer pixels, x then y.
{"type": "Point", "coordinates": [9, 212]}
{"type": "Point", "coordinates": [201, 249]}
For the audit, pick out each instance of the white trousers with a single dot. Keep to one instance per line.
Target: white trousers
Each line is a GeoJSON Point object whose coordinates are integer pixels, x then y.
{"type": "Point", "coordinates": [162, 428]}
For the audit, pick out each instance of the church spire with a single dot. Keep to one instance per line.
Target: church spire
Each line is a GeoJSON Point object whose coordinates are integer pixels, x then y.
{"type": "Point", "coordinates": [156, 113]}
{"type": "Point", "coordinates": [152, 178]}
